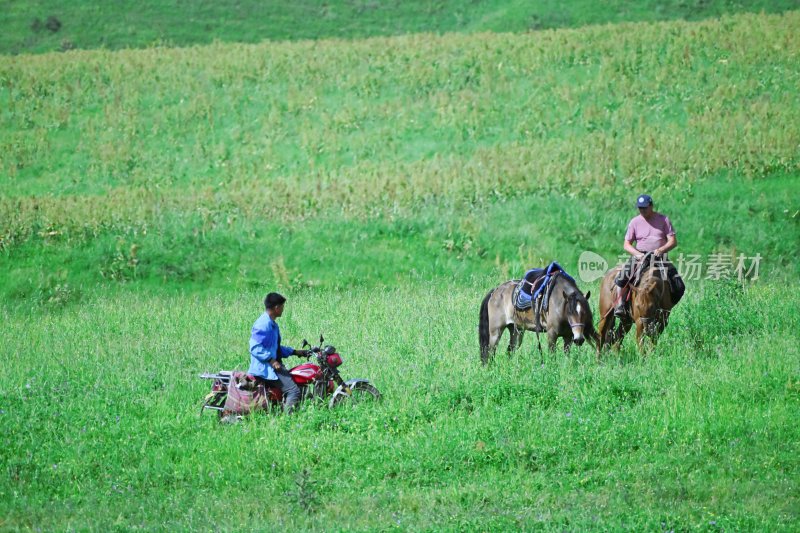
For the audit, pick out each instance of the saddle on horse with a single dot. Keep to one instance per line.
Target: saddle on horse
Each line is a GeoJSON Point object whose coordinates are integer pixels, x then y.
{"type": "Point", "coordinates": [533, 291]}
{"type": "Point", "coordinates": [523, 292]}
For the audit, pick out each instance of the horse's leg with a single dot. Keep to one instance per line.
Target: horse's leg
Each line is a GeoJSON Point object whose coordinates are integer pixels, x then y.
{"type": "Point", "coordinates": [512, 341]}
{"type": "Point", "coordinates": [651, 330]}
{"type": "Point", "coordinates": [487, 352]}
{"type": "Point", "coordinates": [516, 338]}
{"type": "Point", "coordinates": [609, 334]}
{"type": "Point", "coordinates": [619, 333]}
{"type": "Point", "coordinates": [640, 332]}
{"type": "Point", "coordinates": [624, 328]}
{"type": "Point", "coordinates": [606, 304]}
{"type": "Point", "coordinates": [663, 320]}
{"type": "Point", "coordinates": [494, 340]}
{"type": "Point", "coordinates": [604, 328]}
{"type": "Point", "coordinates": [552, 337]}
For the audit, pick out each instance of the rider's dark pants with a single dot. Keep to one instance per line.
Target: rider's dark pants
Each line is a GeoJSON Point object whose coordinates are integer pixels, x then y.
{"type": "Point", "coordinates": [291, 392]}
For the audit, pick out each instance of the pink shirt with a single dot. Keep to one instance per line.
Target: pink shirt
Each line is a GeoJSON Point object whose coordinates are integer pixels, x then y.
{"type": "Point", "coordinates": [649, 234]}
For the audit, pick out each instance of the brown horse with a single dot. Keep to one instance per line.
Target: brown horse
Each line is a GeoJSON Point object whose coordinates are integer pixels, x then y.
{"type": "Point", "coordinates": [650, 305]}
{"type": "Point", "coordinates": [568, 316]}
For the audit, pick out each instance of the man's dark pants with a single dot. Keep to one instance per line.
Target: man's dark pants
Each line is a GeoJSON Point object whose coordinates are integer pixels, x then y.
{"type": "Point", "coordinates": [291, 392]}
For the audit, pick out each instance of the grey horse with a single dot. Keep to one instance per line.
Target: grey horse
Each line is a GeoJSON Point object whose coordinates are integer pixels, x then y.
{"type": "Point", "coordinates": [568, 316]}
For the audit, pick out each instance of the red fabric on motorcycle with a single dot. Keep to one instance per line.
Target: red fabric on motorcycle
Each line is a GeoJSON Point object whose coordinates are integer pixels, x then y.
{"type": "Point", "coordinates": [245, 395]}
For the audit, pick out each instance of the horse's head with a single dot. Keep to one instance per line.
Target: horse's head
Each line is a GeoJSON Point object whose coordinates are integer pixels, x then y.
{"type": "Point", "coordinates": [579, 316]}
{"type": "Point", "coordinates": [651, 302]}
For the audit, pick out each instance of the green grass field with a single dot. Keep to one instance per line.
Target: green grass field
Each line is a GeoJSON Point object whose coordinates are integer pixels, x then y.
{"type": "Point", "coordinates": [698, 435]}
{"type": "Point", "coordinates": [384, 182]}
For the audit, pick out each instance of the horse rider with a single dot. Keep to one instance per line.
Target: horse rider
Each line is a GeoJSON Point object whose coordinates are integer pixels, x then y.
{"type": "Point", "coordinates": [267, 353]}
{"type": "Point", "coordinates": [650, 231]}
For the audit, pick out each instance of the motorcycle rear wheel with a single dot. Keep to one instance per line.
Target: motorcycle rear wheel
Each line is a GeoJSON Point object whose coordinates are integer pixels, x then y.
{"type": "Point", "coordinates": [361, 392]}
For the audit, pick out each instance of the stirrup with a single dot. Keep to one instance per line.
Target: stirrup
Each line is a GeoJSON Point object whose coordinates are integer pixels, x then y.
{"type": "Point", "coordinates": [537, 315]}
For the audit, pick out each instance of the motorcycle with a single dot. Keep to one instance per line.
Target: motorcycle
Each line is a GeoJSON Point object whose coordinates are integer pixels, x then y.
{"type": "Point", "coordinates": [236, 393]}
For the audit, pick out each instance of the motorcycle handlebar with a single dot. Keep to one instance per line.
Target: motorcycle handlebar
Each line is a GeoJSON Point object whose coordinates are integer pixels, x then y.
{"type": "Point", "coordinates": [318, 349]}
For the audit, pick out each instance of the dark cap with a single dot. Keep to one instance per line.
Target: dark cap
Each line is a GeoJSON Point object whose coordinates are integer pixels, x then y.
{"type": "Point", "coordinates": [273, 299]}
{"type": "Point", "coordinates": [644, 200]}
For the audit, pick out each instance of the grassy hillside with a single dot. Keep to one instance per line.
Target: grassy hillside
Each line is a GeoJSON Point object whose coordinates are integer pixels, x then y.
{"type": "Point", "coordinates": [49, 25]}
{"type": "Point", "coordinates": [191, 159]}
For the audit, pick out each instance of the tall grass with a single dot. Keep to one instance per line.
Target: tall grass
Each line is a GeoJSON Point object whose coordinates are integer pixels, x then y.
{"type": "Point", "coordinates": [100, 423]}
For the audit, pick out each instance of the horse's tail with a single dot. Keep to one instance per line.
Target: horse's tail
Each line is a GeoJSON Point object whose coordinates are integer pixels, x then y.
{"type": "Point", "coordinates": [483, 328]}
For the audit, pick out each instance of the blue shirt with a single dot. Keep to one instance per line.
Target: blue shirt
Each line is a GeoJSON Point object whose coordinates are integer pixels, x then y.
{"type": "Point", "coordinates": [265, 347]}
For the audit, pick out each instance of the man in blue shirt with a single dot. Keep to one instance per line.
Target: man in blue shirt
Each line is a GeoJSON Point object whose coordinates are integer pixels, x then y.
{"type": "Point", "coordinates": [266, 352]}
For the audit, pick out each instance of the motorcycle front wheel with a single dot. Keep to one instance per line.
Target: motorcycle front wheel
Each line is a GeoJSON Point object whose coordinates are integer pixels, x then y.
{"type": "Point", "coordinates": [360, 392]}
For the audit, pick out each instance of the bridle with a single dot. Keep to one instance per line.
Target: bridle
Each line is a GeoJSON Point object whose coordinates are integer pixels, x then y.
{"type": "Point", "coordinates": [575, 324]}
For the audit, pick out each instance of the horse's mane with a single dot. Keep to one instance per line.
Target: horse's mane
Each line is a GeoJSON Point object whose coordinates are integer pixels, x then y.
{"type": "Point", "coordinates": [574, 290]}
{"type": "Point", "coordinates": [650, 284]}
{"type": "Point", "coordinates": [650, 279]}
